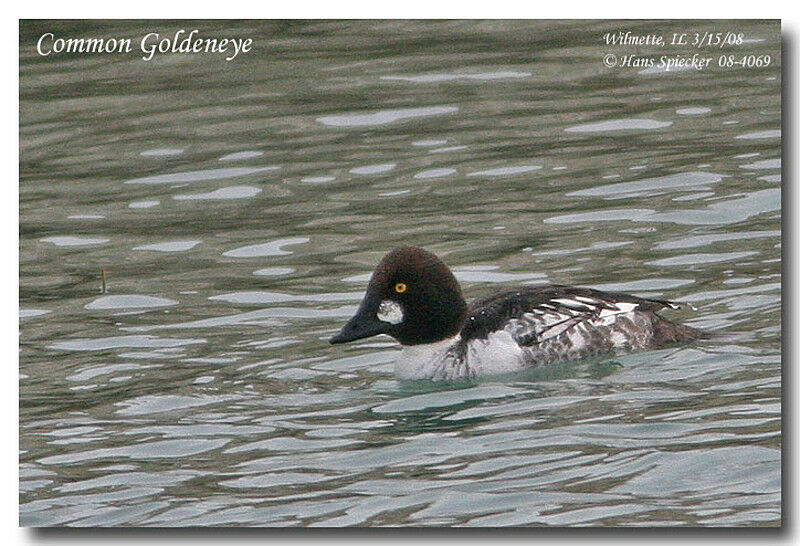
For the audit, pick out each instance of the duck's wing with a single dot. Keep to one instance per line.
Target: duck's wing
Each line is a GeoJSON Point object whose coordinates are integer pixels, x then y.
{"type": "Point", "coordinates": [535, 314]}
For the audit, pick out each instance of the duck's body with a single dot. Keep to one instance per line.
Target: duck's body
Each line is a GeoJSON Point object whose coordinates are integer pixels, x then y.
{"type": "Point", "coordinates": [413, 297]}
{"type": "Point", "coordinates": [518, 329]}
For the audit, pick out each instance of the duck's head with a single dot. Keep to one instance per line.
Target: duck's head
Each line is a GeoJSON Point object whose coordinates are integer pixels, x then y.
{"type": "Point", "coordinates": [412, 296]}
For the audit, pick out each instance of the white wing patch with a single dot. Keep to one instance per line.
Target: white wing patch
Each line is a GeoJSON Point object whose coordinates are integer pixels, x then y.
{"type": "Point", "coordinates": [622, 307]}
{"type": "Point", "coordinates": [565, 315]}
{"type": "Point", "coordinates": [574, 304]}
{"type": "Point", "coordinates": [390, 311]}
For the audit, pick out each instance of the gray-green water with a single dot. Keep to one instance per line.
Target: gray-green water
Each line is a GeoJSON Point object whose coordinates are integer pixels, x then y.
{"type": "Point", "coordinates": [239, 207]}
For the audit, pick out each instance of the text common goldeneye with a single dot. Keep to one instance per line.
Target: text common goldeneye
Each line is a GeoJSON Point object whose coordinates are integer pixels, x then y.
{"type": "Point", "coordinates": [413, 297]}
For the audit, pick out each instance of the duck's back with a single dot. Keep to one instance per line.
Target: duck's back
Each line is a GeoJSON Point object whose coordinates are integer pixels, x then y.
{"type": "Point", "coordinates": [562, 322]}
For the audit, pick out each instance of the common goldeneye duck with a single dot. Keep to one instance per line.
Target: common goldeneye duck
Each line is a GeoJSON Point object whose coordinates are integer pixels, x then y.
{"type": "Point", "coordinates": [414, 297]}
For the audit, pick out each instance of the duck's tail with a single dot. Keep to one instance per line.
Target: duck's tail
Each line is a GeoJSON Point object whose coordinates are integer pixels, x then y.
{"type": "Point", "coordinates": [666, 332]}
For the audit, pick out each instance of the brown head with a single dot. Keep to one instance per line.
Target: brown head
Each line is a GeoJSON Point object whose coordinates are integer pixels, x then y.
{"type": "Point", "coordinates": [413, 297]}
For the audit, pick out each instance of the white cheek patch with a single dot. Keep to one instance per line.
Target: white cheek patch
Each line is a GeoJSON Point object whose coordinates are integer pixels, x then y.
{"type": "Point", "coordinates": [390, 311]}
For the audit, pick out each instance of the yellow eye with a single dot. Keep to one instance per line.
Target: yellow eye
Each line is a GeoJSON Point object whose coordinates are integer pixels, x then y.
{"type": "Point", "coordinates": [400, 288]}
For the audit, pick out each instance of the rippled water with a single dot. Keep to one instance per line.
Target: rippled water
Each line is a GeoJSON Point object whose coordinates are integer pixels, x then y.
{"type": "Point", "coordinates": [237, 208]}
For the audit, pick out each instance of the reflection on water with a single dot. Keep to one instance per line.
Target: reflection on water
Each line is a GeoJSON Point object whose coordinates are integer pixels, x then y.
{"type": "Point", "coordinates": [238, 220]}
{"type": "Point", "coordinates": [385, 116]}
{"type": "Point", "coordinates": [618, 125]}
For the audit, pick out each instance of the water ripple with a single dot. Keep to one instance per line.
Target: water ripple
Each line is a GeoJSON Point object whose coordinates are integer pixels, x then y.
{"type": "Point", "coordinates": [198, 176]}
{"type": "Point", "coordinates": [200, 388]}
{"type": "Point", "coordinates": [618, 125]}
{"type": "Point", "coordinates": [384, 117]}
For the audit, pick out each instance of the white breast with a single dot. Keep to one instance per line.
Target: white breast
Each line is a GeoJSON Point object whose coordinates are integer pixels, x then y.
{"type": "Point", "coordinates": [498, 353]}
{"type": "Point", "coordinates": [424, 361]}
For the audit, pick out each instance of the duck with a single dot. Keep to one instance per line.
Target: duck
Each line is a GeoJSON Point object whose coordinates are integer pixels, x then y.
{"type": "Point", "coordinates": [413, 297]}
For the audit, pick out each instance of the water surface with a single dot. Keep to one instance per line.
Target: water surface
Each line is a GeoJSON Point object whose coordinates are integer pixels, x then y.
{"type": "Point", "coordinates": [239, 207]}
